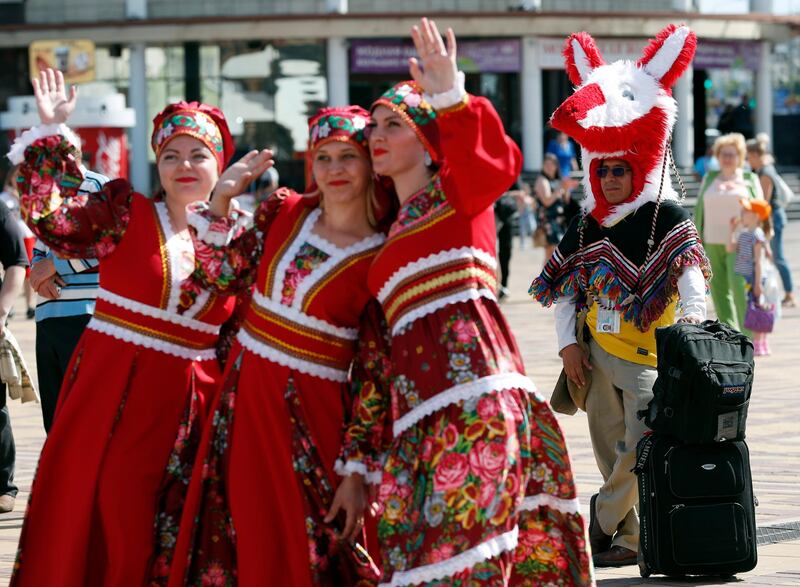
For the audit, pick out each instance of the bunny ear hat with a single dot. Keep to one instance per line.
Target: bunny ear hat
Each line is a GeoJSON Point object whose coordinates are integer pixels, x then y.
{"type": "Point", "coordinates": [624, 110]}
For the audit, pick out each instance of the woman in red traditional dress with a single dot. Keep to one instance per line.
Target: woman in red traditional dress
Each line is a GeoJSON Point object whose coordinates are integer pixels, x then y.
{"type": "Point", "coordinates": [477, 487]}
{"type": "Point", "coordinates": [262, 501]}
{"type": "Point", "coordinates": [135, 389]}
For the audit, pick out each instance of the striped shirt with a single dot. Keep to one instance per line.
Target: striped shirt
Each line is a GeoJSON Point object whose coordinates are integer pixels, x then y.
{"type": "Point", "coordinates": [81, 277]}
{"type": "Point", "coordinates": [745, 252]}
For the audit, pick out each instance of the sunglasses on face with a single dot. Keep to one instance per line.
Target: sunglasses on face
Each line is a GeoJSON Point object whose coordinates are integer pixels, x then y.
{"type": "Point", "coordinates": [616, 171]}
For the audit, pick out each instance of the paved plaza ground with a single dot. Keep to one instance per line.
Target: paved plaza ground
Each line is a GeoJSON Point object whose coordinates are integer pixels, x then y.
{"type": "Point", "coordinates": [773, 432]}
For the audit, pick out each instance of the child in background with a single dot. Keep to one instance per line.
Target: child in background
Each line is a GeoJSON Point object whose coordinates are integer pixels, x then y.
{"type": "Point", "coordinates": [749, 239]}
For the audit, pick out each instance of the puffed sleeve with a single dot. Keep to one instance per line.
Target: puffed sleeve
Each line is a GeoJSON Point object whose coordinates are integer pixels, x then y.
{"type": "Point", "coordinates": [366, 430]}
{"type": "Point", "coordinates": [481, 161]}
{"type": "Point", "coordinates": [73, 224]}
{"type": "Point", "coordinates": [227, 249]}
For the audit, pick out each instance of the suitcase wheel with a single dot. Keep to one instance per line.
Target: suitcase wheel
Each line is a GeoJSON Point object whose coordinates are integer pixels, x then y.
{"type": "Point", "coordinates": [644, 570]}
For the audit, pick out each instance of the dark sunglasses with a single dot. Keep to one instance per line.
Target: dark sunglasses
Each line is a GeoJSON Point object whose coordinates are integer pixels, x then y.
{"type": "Point", "coordinates": [616, 171]}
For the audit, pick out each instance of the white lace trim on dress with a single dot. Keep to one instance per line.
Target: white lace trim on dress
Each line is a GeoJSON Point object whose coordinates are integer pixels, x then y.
{"type": "Point", "coordinates": [344, 469]}
{"type": "Point", "coordinates": [336, 255]}
{"type": "Point", "coordinates": [156, 344]}
{"type": "Point", "coordinates": [175, 247]}
{"type": "Point", "coordinates": [465, 560]}
{"type": "Point", "coordinates": [267, 352]}
{"type": "Point", "coordinates": [449, 98]}
{"type": "Point", "coordinates": [299, 317]}
{"type": "Point", "coordinates": [565, 506]}
{"type": "Point", "coordinates": [153, 312]}
{"type": "Point", "coordinates": [201, 225]}
{"type": "Point", "coordinates": [411, 316]}
{"type": "Point", "coordinates": [17, 152]}
{"type": "Point", "coordinates": [462, 392]}
{"type": "Point", "coordinates": [426, 263]}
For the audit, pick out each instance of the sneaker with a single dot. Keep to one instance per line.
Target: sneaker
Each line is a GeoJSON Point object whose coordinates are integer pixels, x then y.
{"type": "Point", "coordinates": [758, 349]}
{"type": "Point", "coordinates": [788, 301]}
{"type": "Point", "coordinates": [31, 313]}
{"type": "Point", "coordinates": [502, 293]}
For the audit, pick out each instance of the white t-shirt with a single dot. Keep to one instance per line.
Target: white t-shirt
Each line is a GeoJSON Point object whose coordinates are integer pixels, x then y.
{"type": "Point", "coordinates": [720, 204]}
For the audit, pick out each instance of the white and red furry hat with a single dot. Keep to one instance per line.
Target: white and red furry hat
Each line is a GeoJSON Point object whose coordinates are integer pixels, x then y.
{"type": "Point", "coordinates": [624, 110]}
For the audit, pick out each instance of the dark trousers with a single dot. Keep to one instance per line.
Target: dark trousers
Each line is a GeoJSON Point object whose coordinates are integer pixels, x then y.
{"type": "Point", "coordinates": [56, 339]}
{"type": "Point", "coordinates": [8, 451]}
{"type": "Point", "coordinates": [504, 243]}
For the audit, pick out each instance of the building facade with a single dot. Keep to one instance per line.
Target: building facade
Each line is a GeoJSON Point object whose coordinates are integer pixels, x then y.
{"type": "Point", "coordinates": [270, 64]}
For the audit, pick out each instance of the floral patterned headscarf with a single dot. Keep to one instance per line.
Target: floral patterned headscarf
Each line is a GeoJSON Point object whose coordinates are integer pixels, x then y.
{"type": "Point", "coordinates": [195, 119]}
{"type": "Point", "coordinates": [338, 124]}
{"type": "Point", "coordinates": [407, 101]}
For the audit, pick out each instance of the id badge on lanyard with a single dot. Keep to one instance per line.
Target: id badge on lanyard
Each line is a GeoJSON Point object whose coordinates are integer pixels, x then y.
{"type": "Point", "coordinates": [607, 320]}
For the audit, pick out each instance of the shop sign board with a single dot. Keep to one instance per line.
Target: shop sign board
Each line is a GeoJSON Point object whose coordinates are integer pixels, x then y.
{"type": "Point", "coordinates": [710, 54]}
{"type": "Point", "coordinates": [378, 56]}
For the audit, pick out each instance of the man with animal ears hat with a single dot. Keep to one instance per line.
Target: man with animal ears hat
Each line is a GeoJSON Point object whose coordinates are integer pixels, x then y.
{"type": "Point", "coordinates": [622, 264]}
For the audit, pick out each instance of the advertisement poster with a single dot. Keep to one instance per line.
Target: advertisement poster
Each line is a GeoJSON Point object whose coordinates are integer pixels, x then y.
{"type": "Point", "coordinates": [74, 58]}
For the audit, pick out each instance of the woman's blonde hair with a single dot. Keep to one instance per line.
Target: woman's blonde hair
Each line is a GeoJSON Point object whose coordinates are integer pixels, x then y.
{"type": "Point", "coordinates": [734, 139]}
{"type": "Point", "coordinates": [760, 146]}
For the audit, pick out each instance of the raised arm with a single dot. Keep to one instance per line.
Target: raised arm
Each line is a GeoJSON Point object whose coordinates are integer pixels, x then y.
{"type": "Point", "coordinates": [72, 223]}
{"type": "Point", "coordinates": [480, 161]}
{"type": "Point", "coordinates": [227, 249]}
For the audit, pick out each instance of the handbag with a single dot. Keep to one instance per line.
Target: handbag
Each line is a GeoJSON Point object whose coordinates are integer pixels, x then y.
{"type": "Point", "coordinates": [758, 318]}
{"type": "Point", "coordinates": [567, 395]}
{"type": "Point", "coordinates": [784, 193]}
{"type": "Point", "coordinates": [539, 237]}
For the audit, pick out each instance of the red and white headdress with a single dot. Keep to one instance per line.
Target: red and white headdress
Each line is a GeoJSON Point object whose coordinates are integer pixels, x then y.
{"type": "Point", "coordinates": [624, 110]}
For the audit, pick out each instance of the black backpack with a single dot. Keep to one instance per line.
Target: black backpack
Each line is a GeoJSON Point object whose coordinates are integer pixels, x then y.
{"type": "Point", "coordinates": [705, 377]}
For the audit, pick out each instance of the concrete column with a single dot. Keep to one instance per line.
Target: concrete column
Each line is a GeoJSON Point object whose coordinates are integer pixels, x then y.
{"type": "Point", "coordinates": [137, 99]}
{"type": "Point", "coordinates": [763, 121]}
{"type": "Point", "coordinates": [532, 126]}
{"type": "Point", "coordinates": [338, 72]}
{"type": "Point", "coordinates": [137, 95]}
{"type": "Point", "coordinates": [682, 134]}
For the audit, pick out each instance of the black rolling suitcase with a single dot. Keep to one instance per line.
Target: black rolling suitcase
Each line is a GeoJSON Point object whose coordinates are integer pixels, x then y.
{"type": "Point", "coordinates": [696, 508]}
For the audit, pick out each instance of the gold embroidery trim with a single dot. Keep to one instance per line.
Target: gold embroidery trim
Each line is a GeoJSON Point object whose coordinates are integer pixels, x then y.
{"type": "Point", "coordinates": [297, 328]}
{"type": "Point", "coordinates": [165, 269]}
{"type": "Point", "coordinates": [269, 282]}
{"type": "Point", "coordinates": [151, 332]}
{"type": "Point", "coordinates": [414, 291]}
{"type": "Point", "coordinates": [276, 342]}
{"type": "Point", "coordinates": [335, 272]}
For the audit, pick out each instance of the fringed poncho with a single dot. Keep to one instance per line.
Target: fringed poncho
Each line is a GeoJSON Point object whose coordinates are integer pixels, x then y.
{"type": "Point", "coordinates": [614, 265]}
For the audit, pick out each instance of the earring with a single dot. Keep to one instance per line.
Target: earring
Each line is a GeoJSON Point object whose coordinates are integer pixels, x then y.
{"type": "Point", "coordinates": [428, 159]}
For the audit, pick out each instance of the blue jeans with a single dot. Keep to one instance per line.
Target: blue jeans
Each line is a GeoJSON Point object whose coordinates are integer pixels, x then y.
{"type": "Point", "coordinates": [778, 222]}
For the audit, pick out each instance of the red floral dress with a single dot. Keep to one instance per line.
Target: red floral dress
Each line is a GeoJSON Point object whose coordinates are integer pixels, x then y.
{"type": "Point", "coordinates": [134, 396]}
{"type": "Point", "coordinates": [265, 477]}
{"type": "Point", "coordinates": [477, 487]}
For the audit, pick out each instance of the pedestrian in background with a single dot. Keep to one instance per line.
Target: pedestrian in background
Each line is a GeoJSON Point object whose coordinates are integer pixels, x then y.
{"type": "Point", "coordinates": [14, 259]}
{"type": "Point", "coordinates": [763, 164]}
{"type": "Point", "coordinates": [718, 202]}
{"type": "Point", "coordinates": [549, 191]}
{"type": "Point", "coordinates": [10, 197]}
{"type": "Point", "coordinates": [748, 241]}
{"type": "Point", "coordinates": [564, 151]}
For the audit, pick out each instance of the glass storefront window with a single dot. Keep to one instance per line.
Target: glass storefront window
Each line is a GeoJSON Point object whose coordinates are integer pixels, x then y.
{"type": "Point", "coordinates": [268, 91]}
